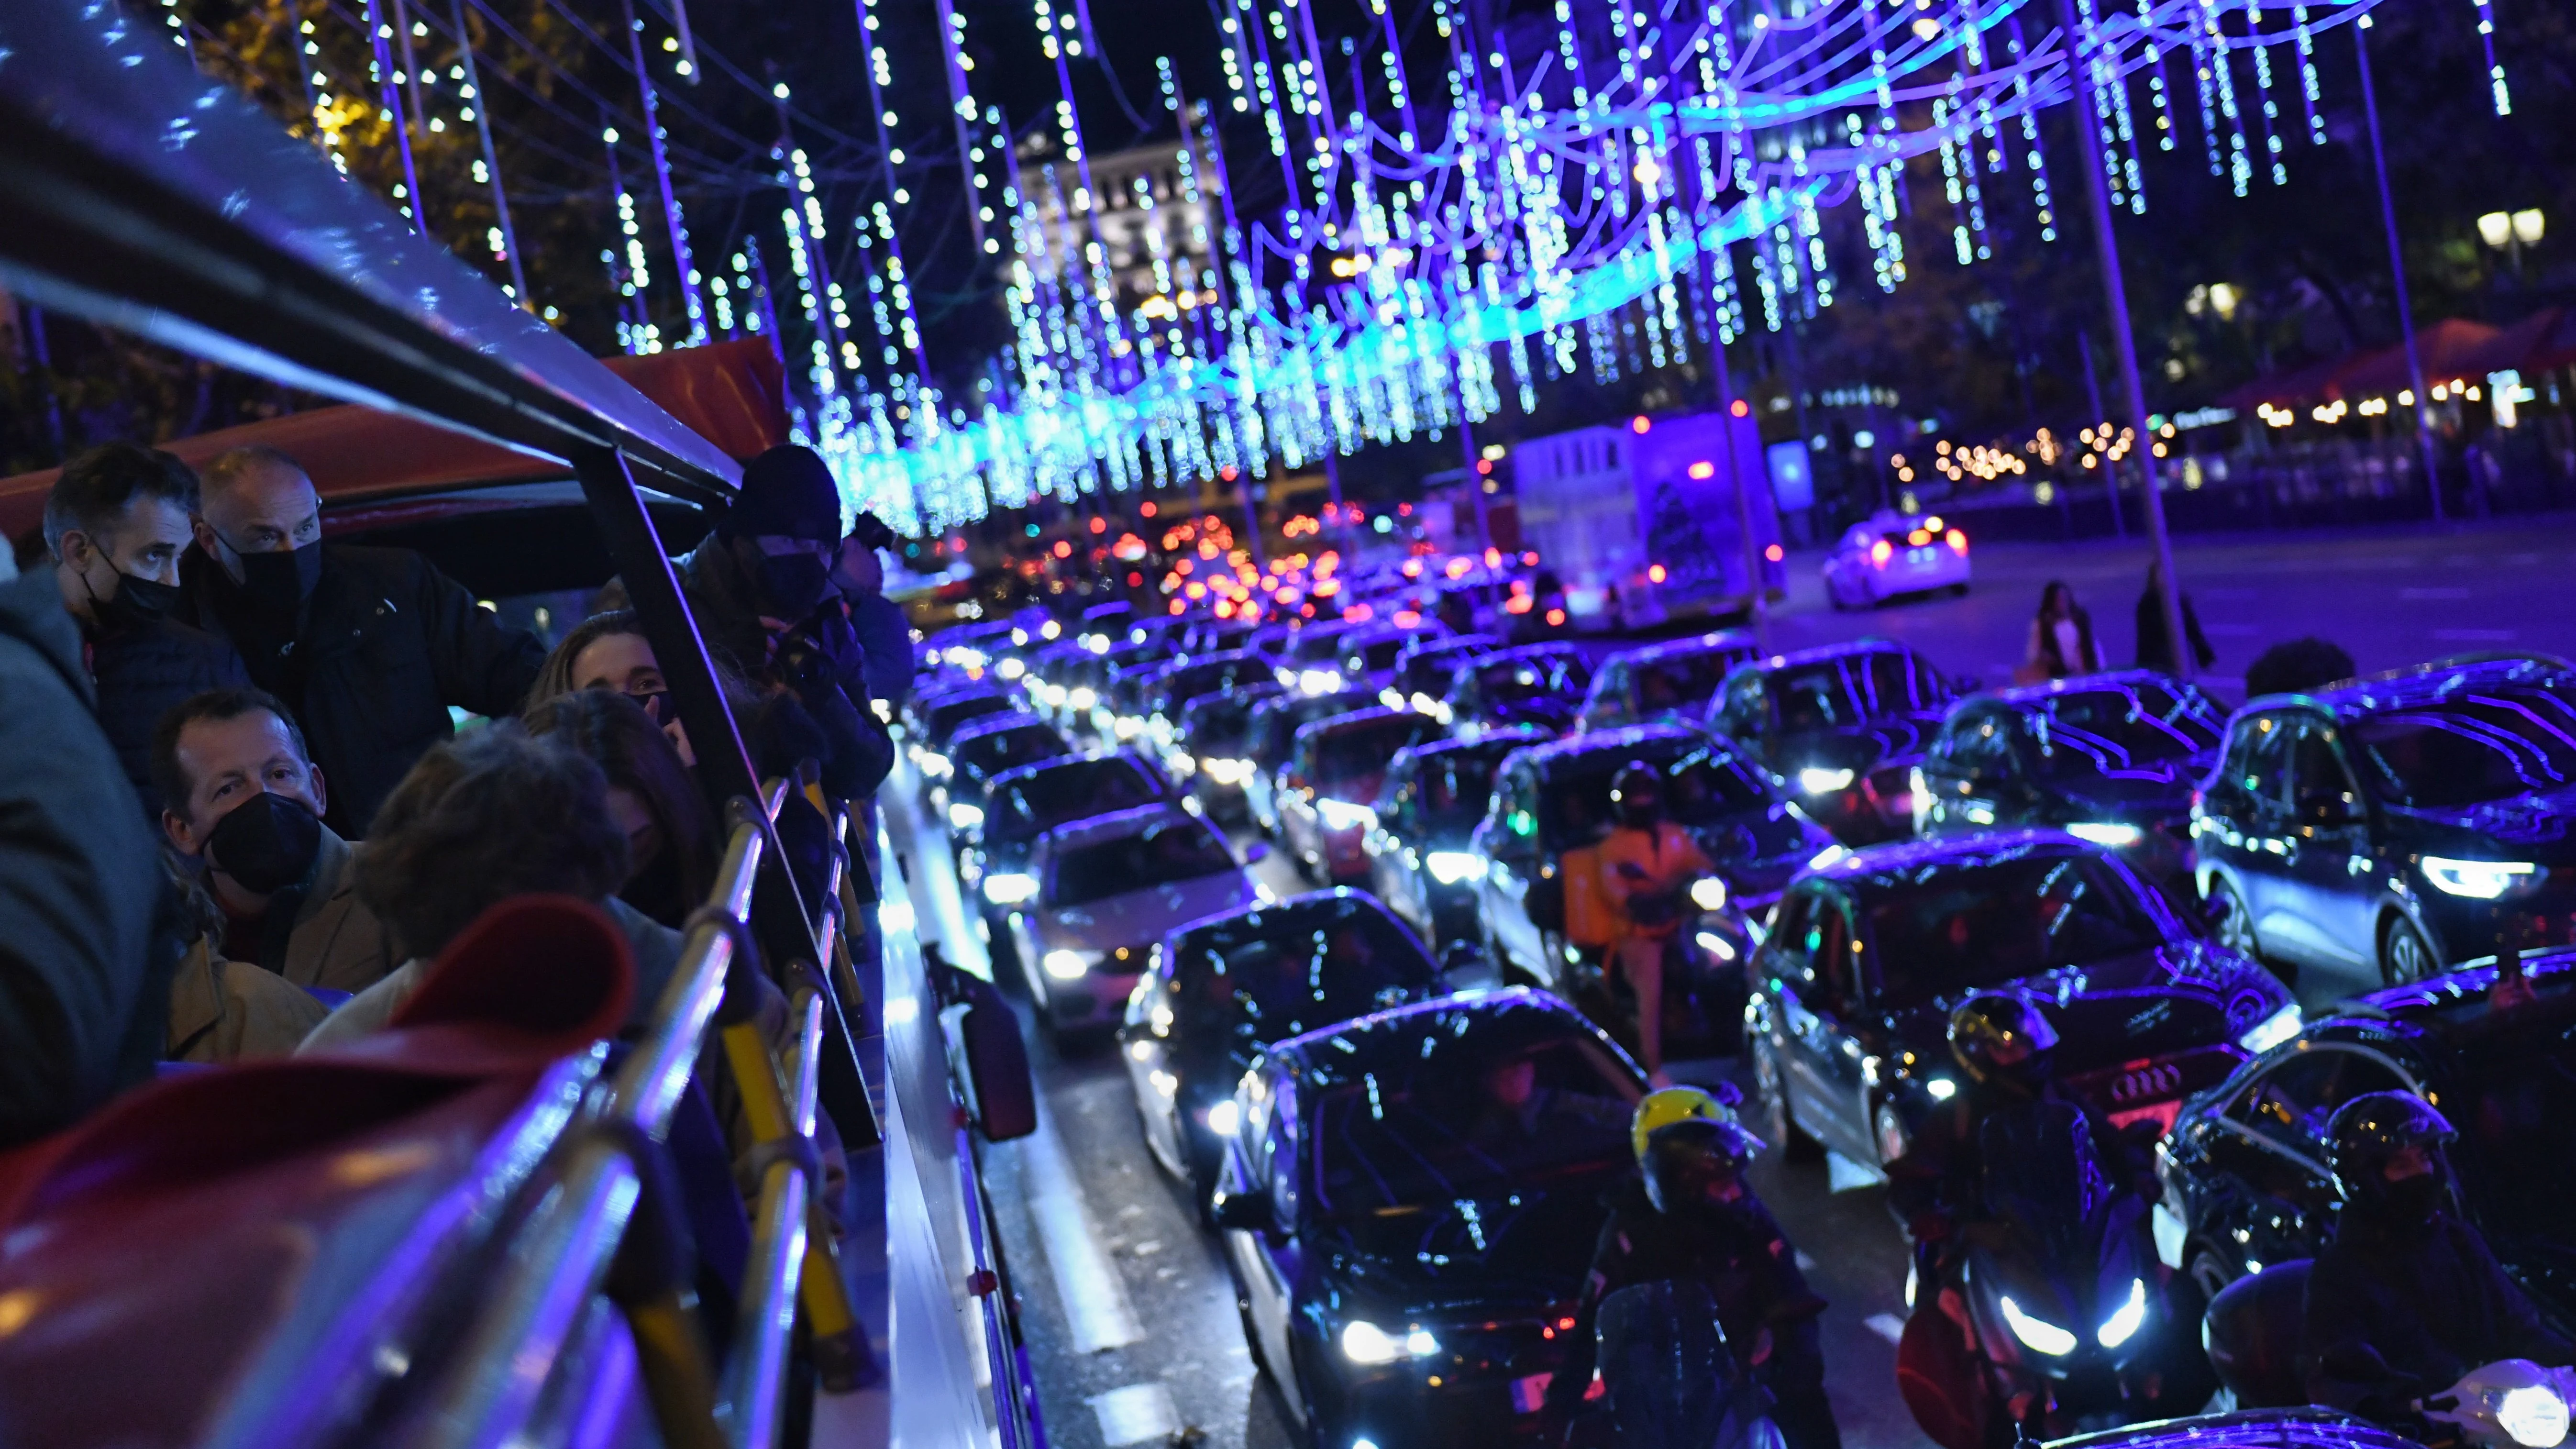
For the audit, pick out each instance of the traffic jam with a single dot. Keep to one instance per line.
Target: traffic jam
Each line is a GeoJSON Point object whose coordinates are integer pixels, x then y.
{"type": "Point", "coordinates": [1462, 976]}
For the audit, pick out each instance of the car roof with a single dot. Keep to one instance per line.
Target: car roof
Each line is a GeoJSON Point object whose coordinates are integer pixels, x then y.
{"type": "Point", "coordinates": [1715, 642]}
{"type": "Point", "coordinates": [2458, 1001]}
{"type": "Point", "coordinates": [994, 724]}
{"type": "Point", "coordinates": [1823, 652]}
{"type": "Point", "coordinates": [1911, 855]}
{"type": "Point", "coordinates": [2438, 682]}
{"type": "Point", "coordinates": [1019, 773]}
{"type": "Point", "coordinates": [1294, 907]}
{"type": "Point", "coordinates": [2031, 695]}
{"type": "Point", "coordinates": [1354, 719]}
{"type": "Point", "coordinates": [1546, 649]}
{"type": "Point", "coordinates": [1505, 740]}
{"type": "Point", "coordinates": [1448, 643]}
{"type": "Point", "coordinates": [1604, 742]}
{"type": "Point", "coordinates": [1116, 825]}
{"type": "Point", "coordinates": [1382, 1038]}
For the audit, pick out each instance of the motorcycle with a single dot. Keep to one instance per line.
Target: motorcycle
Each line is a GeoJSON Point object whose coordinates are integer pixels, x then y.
{"type": "Point", "coordinates": [1704, 984]}
{"type": "Point", "coordinates": [1672, 1381]}
{"type": "Point", "coordinates": [2052, 1316]}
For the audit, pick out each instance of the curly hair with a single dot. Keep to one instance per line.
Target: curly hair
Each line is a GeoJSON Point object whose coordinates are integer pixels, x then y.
{"type": "Point", "coordinates": [634, 754]}
{"type": "Point", "coordinates": [480, 819]}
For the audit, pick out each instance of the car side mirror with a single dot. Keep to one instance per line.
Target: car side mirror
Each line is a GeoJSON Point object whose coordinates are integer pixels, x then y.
{"type": "Point", "coordinates": [1257, 852]}
{"type": "Point", "coordinates": [987, 1053]}
{"type": "Point", "coordinates": [1247, 1212]}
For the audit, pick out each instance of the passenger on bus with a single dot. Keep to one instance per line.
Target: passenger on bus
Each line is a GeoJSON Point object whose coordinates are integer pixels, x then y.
{"type": "Point", "coordinates": [222, 1010]}
{"type": "Point", "coordinates": [86, 936]}
{"type": "Point", "coordinates": [670, 840]}
{"type": "Point", "coordinates": [609, 651]}
{"type": "Point", "coordinates": [242, 803]}
{"type": "Point", "coordinates": [116, 524]}
{"type": "Point", "coordinates": [370, 647]}
{"type": "Point", "coordinates": [884, 634]}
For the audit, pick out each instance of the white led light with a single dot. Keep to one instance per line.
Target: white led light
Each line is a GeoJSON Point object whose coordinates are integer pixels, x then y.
{"type": "Point", "coordinates": [2106, 832]}
{"type": "Point", "coordinates": [1066, 965]}
{"type": "Point", "coordinates": [2124, 1323]}
{"type": "Point", "coordinates": [1453, 867]}
{"type": "Point", "coordinates": [1816, 780]}
{"type": "Point", "coordinates": [2037, 1333]}
{"type": "Point", "coordinates": [2482, 880]}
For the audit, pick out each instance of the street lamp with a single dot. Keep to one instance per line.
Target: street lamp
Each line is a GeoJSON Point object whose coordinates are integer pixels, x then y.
{"type": "Point", "coordinates": [2512, 231]}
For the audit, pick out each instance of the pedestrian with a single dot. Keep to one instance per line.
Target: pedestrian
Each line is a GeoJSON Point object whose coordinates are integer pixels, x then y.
{"type": "Point", "coordinates": [243, 804]}
{"type": "Point", "coordinates": [2061, 638]}
{"type": "Point", "coordinates": [2296, 667]}
{"type": "Point", "coordinates": [116, 526]}
{"type": "Point", "coordinates": [2155, 650]}
{"type": "Point", "coordinates": [884, 634]}
{"type": "Point", "coordinates": [670, 839]}
{"type": "Point", "coordinates": [369, 648]}
{"type": "Point", "coordinates": [86, 942]}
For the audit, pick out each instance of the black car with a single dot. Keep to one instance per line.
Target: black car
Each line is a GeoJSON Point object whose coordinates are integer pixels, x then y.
{"type": "Point", "coordinates": [1219, 990]}
{"type": "Point", "coordinates": [1667, 683]}
{"type": "Point", "coordinates": [938, 716]}
{"type": "Point", "coordinates": [2245, 1173]}
{"type": "Point", "coordinates": [1554, 800]}
{"type": "Point", "coordinates": [1409, 1205]}
{"type": "Point", "coordinates": [1022, 804]}
{"type": "Point", "coordinates": [982, 748]}
{"type": "Point", "coordinates": [1333, 773]}
{"type": "Point", "coordinates": [1310, 661]}
{"type": "Point", "coordinates": [1534, 684]}
{"type": "Point", "coordinates": [1422, 858]}
{"type": "Point", "coordinates": [1870, 950]}
{"type": "Point", "coordinates": [1195, 678]}
{"type": "Point", "coordinates": [2399, 823]}
{"type": "Point", "coordinates": [1370, 655]}
{"type": "Point", "coordinates": [1273, 733]}
{"type": "Point", "coordinates": [1841, 727]}
{"type": "Point", "coordinates": [1213, 747]}
{"type": "Point", "coordinates": [1425, 669]}
{"type": "Point", "coordinates": [2109, 758]}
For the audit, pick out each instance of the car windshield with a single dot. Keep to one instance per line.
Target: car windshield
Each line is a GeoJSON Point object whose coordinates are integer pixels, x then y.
{"type": "Point", "coordinates": [1456, 785]}
{"type": "Point", "coordinates": [2489, 745]}
{"type": "Point", "coordinates": [1952, 926]}
{"type": "Point", "coordinates": [1360, 751]}
{"type": "Point", "coordinates": [990, 754]}
{"type": "Point", "coordinates": [2091, 731]}
{"type": "Point", "coordinates": [1049, 798]}
{"type": "Point", "coordinates": [1219, 719]}
{"type": "Point", "coordinates": [945, 716]}
{"type": "Point", "coordinates": [1467, 1120]}
{"type": "Point", "coordinates": [1276, 730]}
{"type": "Point", "coordinates": [1160, 854]}
{"type": "Point", "coordinates": [1317, 643]}
{"type": "Point", "coordinates": [1851, 689]}
{"type": "Point", "coordinates": [1380, 654]}
{"type": "Point", "coordinates": [1429, 670]}
{"type": "Point", "coordinates": [1269, 975]}
{"type": "Point", "coordinates": [1533, 676]}
{"type": "Point", "coordinates": [1701, 787]}
{"type": "Point", "coordinates": [1684, 680]}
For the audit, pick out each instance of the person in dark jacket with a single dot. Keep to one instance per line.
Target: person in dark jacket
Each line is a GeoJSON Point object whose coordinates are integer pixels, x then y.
{"type": "Point", "coordinates": [2406, 1298]}
{"type": "Point", "coordinates": [88, 938]}
{"type": "Point", "coordinates": [1689, 1215]}
{"type": "Point", "coordinates": [2155, 651]}
{"type": "Point", "coordinates": [368, 647]}
{"type": "Point", "coordinates": [116, 525]}
{"type": "Point", "coordinates": [884, 634]}
{"type": "Point", "coordinates": [2296, 666]}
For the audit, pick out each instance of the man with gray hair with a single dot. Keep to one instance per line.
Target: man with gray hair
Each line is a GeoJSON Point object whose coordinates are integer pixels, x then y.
{"type": "Point", "coordinates": [368, 646]}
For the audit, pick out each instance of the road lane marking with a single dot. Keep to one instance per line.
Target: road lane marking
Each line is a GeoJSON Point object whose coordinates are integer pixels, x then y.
{"type": "Point", "coordinates": [1087, 1284]}
{"type": "Point", "coordinates": [1135, 1414]}
{"type": "Point", "coordinates": [1886, 1325]}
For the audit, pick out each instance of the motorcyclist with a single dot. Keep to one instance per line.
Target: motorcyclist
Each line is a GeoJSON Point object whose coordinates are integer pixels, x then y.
{"type": "Point", "coordinates": [1688, 1214]}
{"type": "Point", "coordinates": [1646, 865]}
{"type": "Point", "coordinates": [2406, 1298]}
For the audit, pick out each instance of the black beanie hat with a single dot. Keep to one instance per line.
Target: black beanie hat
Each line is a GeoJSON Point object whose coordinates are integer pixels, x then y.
{"type": "Point", "coordinates": [786, 492]}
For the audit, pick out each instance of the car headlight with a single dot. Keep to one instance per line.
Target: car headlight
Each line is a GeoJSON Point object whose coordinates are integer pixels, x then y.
{"type": "Point", "coordinates": [1127, 726]}
{"type": "Point", "coordinates": [1319, 681]}
{"type": "Point", "coordinates": [2124, 1323]}
{"type": "Point", "coordinates": [933, 763]}
{"type": "Point", "coordinates": [1184, 763]}
{"type": "Point", "coordinates": [1081, 697]}
{"type": "Point", "coordinates": [1364, 1342]}
{"type": "Point", "coordinates": [1453, 867]}
{"type": "Point", "coordinates": [2533, 1415]}
{"type": "Point", "coordinates": [1223, 1118]}
{"type": "Point", "coordinates": [2037, 1334]}
{"type": "Point", "coordinates": [1817, 780]}
{"type": "Point", "coordinates": [1010, 669]}
{"type": "Point", "coordinates": [1066, 965]}
{"type": "Point", "coordinates": [1343, 814]}
{"type": "Point", "coordinates": [2482, 880]}
{"type": "Point", "coordinates": [2272, 1030]}
{"type": "Point", "coordinates": [2109, 833]}
{"type": "Point", "coordinates": [1010, 888]}
{"type": "Point", "coordinates": [1222, 771]}
{"type": "Point", "coordinates": [1708, 893]}
{"type": "Point", "coordinates": [964, 816]}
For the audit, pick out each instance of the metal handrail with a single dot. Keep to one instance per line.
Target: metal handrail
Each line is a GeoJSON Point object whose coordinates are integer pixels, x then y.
{"type": "Point", "coordinates": [649, 1085]}
{"type": "Point", "coordinates": [756, 1373]}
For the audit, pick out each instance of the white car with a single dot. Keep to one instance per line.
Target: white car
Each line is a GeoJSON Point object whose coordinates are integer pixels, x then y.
{"type": "Point", "coordinates": [1108, 890]}
{"type": "Point", "coordinates": [1892, 554]}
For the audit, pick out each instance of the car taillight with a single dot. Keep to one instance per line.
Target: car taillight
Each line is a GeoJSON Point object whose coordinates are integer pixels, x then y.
{"type": "Point", "coordinates": [1655, 573]}
{"type": "Point", "coordinates": [1958, 541]}
{"type": "Point", "coordinates": [1879, 551]}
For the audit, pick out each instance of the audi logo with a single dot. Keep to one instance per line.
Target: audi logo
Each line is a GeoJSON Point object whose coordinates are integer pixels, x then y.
{"type": "Point", "coordinates": [2160, 1079]}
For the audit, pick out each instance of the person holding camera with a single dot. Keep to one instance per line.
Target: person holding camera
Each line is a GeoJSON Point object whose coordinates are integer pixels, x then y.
{"type": "Point", "coordinates": [884, 634]}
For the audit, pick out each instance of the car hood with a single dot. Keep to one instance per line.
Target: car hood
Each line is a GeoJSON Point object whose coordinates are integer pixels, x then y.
{"type": "Point", "coordinates": [2180, 995]}
{"type": "Point", "coordinates": [1141, 917]}
{"type": "Point", "coordinates": [1898, 739]}
{"type": "Point", "coordinates": [2537, 827]}
{"type": "Point", "coordinates": [1481, 1256]}
{"type": "Point", "coordinates": [1757, 851]}
{"type": "Point", "coordinates": [2143, 795]}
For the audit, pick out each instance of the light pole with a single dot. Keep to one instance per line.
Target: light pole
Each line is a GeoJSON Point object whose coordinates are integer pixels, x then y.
{"type": "Point", "coordinates": [2397, 270]}
{"type": "Point", "coordinates": [2510, 232]}
{"type": "Point", "coordinates": [2124, 345]}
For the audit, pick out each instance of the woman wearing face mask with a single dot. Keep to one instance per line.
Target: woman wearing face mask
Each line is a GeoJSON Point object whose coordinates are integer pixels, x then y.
{"type": "Point", "coordinates": [670, 844]}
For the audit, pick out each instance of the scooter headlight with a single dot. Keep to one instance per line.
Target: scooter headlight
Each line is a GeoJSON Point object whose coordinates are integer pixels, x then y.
{"type": "Point", "coordinates": [1708, 893]}
{"type": "Point", "coordinates": [2037, 1334]}
{"type": "Point", "coordinates": [1818, 780]}
{"type": "Point", "coordinates": [2125, 1322]}
{"type": "Point", "coordinates": [1455, 867]}
{"type": "Point", "coordinates": [2534, 1415]}
{"type": "Point", "coordinates": [1365, 1342]}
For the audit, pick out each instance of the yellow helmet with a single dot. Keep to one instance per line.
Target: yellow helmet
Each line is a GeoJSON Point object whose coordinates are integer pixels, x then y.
{"type": "Point", "coordinates": [1679, 1104]}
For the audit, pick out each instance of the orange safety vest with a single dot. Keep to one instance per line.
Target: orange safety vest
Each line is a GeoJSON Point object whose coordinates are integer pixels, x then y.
{"type": "Point", "coordinates": [1667, 855]}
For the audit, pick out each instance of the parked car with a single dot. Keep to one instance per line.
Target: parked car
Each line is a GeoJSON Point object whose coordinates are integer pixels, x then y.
{"type": "Point", "coordinates": [1409, 1204]}
{"type": "Point", "coordinates": [1109, 887]}
{"type": "Point", "coordinates": [1273, 733]}
{"type": "Point", "coordinates": [1332, 776]}
{"type": "Point", "coordinates": [984, 747]}
{"type": "Point", "coordinates": [1422, 857]}
{"type": "Point", "coordinates": [1870, 950]}
{"type": "Point", "coordinates": [2245, 1169]}
{"type": "Point", "coordinates": [1220, 990]}
{"type": "Point", "coordinates": [1892, 554]}
{"type": "Point", "coordinates": [1841, 726]}
{"type": "Point", "coordinates": [1533, 684]}
{"type": "Point", "coordinates": [2109, 758]}
{"type": "Point", "coordinates": [1668, 683]}
{"type": "Point", "coordinates": [2401, 823]}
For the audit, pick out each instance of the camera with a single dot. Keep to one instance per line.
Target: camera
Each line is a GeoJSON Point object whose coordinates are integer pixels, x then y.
{"type": "Point", "coordinates": [872, 531]}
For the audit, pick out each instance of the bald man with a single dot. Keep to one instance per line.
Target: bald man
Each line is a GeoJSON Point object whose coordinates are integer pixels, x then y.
{"type": "Point", "coordinates": [368, 646]}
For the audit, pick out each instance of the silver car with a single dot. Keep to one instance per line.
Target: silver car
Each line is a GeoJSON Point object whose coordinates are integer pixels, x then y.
{"type": "Point", "coordinates": [1109, 888]}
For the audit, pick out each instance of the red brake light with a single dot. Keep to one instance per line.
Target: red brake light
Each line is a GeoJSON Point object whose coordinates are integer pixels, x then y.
{"type": "Point", "coordinates": [1879, 552]}
{"type": "Point", "coordinates": [1655, 573]}
{"type": "Point", "coordinates": [1958, 541]}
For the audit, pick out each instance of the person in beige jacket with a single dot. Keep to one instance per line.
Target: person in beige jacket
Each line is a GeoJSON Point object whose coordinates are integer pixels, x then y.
{"type": "Point", "coordinates": [242, 802]}
{"type": "Point", "coordinates": [223, 1010]}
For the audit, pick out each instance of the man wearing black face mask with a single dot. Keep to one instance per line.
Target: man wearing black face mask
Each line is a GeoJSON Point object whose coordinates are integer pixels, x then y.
{"type": "Point", "coordinates": [116, 524]}
{"type": "Point", "coordinates": [2407, 1298]}
{"type": "Point", "coordinates": [242, 799]}
{"type": "Point", "coordinates": [368, 647]}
